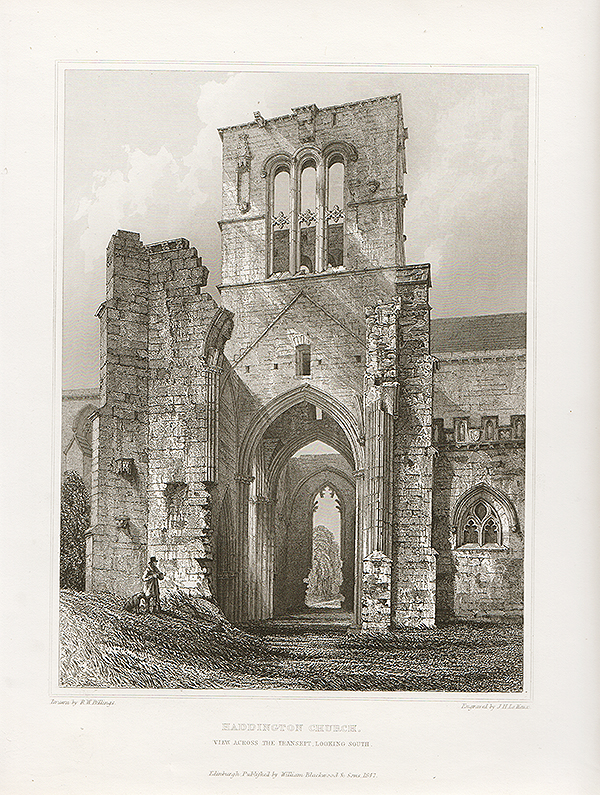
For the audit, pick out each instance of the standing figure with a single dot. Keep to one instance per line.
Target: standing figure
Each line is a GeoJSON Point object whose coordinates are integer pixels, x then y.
{"type": "Point", "coordinates": [151, 588]}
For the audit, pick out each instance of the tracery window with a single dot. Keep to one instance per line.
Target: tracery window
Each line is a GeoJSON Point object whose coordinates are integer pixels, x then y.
{"type": "Point", "coordinates": [480, 525]}
{"type": "Point", "coordinates": [306, 209]}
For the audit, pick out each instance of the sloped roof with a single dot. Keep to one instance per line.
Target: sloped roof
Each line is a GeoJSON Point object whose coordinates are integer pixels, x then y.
{"type": "Point", "coordinates": [479, 333]}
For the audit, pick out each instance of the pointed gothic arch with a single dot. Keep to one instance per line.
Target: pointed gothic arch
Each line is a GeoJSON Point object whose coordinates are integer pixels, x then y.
{"type": "Point", "coordinates": [276, 407]}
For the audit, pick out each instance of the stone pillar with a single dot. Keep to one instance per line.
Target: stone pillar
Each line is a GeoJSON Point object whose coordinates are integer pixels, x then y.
{"type": "Point", "coordinates": [413, 559]}
{"type": "Point", "coordinates": [375, 614]}
{"type": "Point", "coordinates": [380, 399]}
{"type": "Point", "coordinates": [294, 224]}
{"type": "Point", "coordinates": [212, 374]}
{"type": "Point", "coordinates": [378, 466]}
{"type": "Point", "coordinates": [359, 474]}
{"type": "Point", "coordinates": [262, 558]}
{"type": "Point", "coordinates": [242, 547]}
{"type": "Point", "coordinates": [321, 223]}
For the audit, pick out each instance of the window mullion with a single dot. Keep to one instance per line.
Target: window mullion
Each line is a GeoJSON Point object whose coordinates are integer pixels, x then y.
{"type": "Point", "coordinates": [294, 225]}
{"type": "Point", "coordinates": [320, 202]}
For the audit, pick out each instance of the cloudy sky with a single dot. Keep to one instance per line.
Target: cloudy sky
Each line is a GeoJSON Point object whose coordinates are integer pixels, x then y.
{"type": "Point", "coordinates": [141, 152]}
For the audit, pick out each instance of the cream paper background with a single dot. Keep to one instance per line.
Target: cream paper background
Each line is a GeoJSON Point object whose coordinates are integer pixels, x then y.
{"type": "Point", "coordinates": [545, 741]}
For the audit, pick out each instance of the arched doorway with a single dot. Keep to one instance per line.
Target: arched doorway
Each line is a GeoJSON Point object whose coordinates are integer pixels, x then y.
{"type": "Point", "coordinates": [273, 546]}
{"type": "Point", "coordinates": [315, 533]}
{"type": "Point", "coordinates": [324, 581]}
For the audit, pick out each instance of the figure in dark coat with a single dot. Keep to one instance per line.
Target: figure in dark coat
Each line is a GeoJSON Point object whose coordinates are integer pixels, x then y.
{"type": "Point", "coordinates": [151, 588]}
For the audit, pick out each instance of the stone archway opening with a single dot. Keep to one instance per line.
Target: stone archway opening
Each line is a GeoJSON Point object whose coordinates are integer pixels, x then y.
{"type": "Point", "coordinates": [324, 582]}
{"type": "Point", "coordinates": [315, 533]}
{"type": "Point", "coordinates": [302, 448]}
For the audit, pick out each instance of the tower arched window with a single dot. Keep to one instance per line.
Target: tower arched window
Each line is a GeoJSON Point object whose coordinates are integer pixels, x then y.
{"type": "Point", "coordinates": [305, 208]}
{"type": "Point", "coordinates": [280, 222]}
{"type": "Point", "coordinates": [307, 219]}
{"type": "Point", "coordinates": [334, 215]}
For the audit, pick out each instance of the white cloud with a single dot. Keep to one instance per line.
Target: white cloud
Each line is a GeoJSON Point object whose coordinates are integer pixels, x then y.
{"type": "Point", "coordinates": [467, 165]}
{"type": "Point", "coordinates": [474, 168]}
{"type": "Point", "coordinates": [117, 197]}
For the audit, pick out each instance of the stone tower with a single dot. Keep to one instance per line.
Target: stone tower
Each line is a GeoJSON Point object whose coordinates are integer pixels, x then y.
{"type": "Point", "coordinates": [331, 340]}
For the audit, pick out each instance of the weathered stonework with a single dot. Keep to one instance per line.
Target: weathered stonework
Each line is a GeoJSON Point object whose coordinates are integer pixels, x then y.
{"type": "Point", "coordinates": [376, 591]}
{"type": "Point", "coordinates": [323, 333]}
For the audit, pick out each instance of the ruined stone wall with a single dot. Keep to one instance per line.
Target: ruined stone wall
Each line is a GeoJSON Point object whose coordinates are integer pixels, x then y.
{"type": "Point", "coordinates": [157, 449]}
{"type": "Point", "coordinates": [479, 384]}
{"type": "Point", "coordinates": [179, 502]}
{"type": "Point", "coordinates": [116, 544]}
{"type": "Point", "coordinates": [474, 580]}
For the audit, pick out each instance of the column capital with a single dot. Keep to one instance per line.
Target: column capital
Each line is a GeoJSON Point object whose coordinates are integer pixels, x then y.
{"type": "Point", "coordinates": [247, 479]}
{"type": "Point", "coordinates": [260, 499]}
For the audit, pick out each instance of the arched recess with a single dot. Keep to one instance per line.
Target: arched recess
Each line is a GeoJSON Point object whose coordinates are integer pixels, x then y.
{"type": "Point", "coordinates": [276, 162]}
{"type": "Point", "coordinates": [82, 428]}
{"type": "Point", "coordinates": [301, 394]}
{"type": "Point", "coordinates": [499, 501]}
{"type": "Point", "coordinates": [339, 149]}
{"type": "Point", "coordinates": [257, 478]}
{"type": "Point", "coordinates": [217, 334]}
{"type": "Point", "coordinates": [297, 442]}
{"type": "Point", "coordinates": [325, 472]}
{"type": "Point", "coordinates": [82, 440]}
{"type": "Point", "coordinates": [294, 538]}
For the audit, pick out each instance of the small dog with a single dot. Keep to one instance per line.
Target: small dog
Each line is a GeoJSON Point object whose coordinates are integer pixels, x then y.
{"type": "Point", "coordinates": [134, 603]}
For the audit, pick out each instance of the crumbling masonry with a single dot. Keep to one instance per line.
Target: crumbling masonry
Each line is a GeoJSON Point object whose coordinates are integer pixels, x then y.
{"type": "Point", "coordinates": [323, 333]}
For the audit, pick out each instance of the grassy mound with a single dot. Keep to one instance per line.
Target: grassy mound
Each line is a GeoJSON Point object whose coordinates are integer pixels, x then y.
{"type": "Point", "coordinates": [191, 645]}
{"type": "Point", "coordinates": [104, 646]}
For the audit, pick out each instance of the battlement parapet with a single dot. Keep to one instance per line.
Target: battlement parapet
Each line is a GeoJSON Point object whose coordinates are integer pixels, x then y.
{"type": "Point", "coordinates": [487, 433]}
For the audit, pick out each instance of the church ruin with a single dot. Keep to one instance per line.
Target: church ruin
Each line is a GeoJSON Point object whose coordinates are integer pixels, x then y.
{"type": "Point", "coordinates": [323, 334]}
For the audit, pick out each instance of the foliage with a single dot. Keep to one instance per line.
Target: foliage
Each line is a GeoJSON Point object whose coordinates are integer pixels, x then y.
{"type": "Point", "coordinates": [74, 522]}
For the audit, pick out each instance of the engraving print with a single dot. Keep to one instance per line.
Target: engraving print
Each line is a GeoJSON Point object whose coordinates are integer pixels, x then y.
{"type": "Point", "coordinates": [302, 466]}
